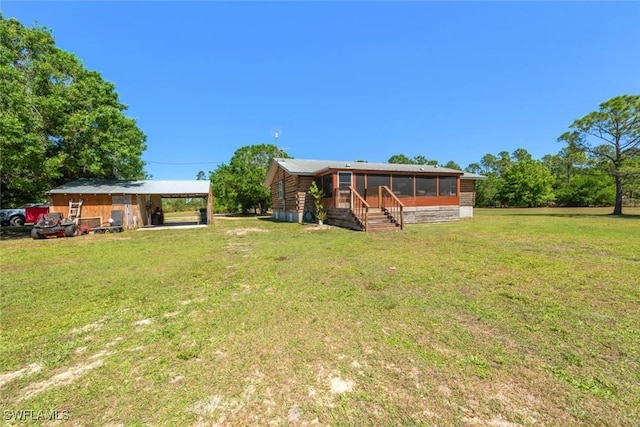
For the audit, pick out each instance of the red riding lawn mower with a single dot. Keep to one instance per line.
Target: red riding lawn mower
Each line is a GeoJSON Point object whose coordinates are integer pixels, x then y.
{"type": "Point", "coordinates": [53, 225]}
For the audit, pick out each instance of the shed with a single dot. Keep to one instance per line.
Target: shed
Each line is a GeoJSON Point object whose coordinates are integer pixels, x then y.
{"type": "Point", "coordinates": [136, 199]}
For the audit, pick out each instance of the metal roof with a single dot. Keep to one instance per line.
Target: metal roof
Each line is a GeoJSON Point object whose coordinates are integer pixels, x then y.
{"type": "Point", "coordinates": [314, 167]}
{"type": "Point", "coordinates": [191, 188]}
{"type": "Point", "coordinates": [469, 175]}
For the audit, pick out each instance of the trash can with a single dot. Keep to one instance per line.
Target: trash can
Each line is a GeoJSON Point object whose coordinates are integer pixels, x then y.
{"type": "Point", "coordinates": [203, 215]}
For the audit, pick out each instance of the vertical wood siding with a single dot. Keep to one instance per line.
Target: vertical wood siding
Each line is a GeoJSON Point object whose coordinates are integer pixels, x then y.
{"type": "Point", "coordinates": [96, 208]}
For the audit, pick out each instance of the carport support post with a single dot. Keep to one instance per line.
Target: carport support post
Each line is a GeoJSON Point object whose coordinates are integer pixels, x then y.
{"type": "Point", "coordinates": [148, 205]}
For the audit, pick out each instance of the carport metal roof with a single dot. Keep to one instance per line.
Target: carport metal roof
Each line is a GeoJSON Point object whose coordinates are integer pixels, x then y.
{"type": "Point", "coordinates": [187, 188]}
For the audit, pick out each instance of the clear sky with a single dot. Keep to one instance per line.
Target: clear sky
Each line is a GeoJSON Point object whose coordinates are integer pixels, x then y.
{"type": "Point", "coordinates": [349, 80]}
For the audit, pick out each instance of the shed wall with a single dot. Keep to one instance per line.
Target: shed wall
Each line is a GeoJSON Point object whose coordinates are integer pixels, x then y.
{"type": "Point", "coordinates": [96, 208]}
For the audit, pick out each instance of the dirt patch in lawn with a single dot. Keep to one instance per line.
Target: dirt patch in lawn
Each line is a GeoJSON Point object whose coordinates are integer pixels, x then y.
{"type": "Point", "coordinates": [10, 376]}
{"type": "Point", "coordinates": [245, 231]}
{"type": "Point", "coordinates": [64, 377]}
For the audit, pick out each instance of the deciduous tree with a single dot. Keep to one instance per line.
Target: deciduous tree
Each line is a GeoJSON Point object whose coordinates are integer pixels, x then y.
{"type": "Point", "coordinates": [591, 188]}
{"type": "Point", "coordinates": [241, 182]}
{"type": "Point", "coordinates": [224, 196]}
{"type": "Point", "coordinates": [579, 181]}
{"type": "Point", "coordinates": [527, 183]}
{"type": "Point", "coordinates": [58, 120]}
{"type": "Point", "coordinates": [506, 182]}
{"type": "Point", "coordinates": [415, 160]}
{"type": "Point", "coordinates": [399, 159]}
{"type": "Point", "coordinates": [452, 165]}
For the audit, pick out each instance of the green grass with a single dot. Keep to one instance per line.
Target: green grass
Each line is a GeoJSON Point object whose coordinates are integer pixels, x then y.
{"type": "Point", "coordinates": [520, 316]}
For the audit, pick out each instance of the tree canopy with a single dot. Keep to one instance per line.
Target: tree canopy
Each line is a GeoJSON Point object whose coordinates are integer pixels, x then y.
{"type": "Point", "coordinates": [240, 184]}
{"type": "Point", "coordinates": [579, 181]}
{"type": "Point", "coordinates": [58, 120]}
{"type": "Point", "coordinates": [420, 160]}
{"type": "Point", "coordinates": [612, 136]}
{"type": "Point", "coordinates": [526, 183]}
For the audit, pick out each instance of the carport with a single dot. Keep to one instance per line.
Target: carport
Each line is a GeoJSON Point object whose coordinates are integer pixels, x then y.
{"type": "Point", "coordinates": [138, 200]}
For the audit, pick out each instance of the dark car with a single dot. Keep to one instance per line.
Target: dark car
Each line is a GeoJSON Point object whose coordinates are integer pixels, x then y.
{"type": "Point", "coordinates": [17, 216]}
{"type": "Point", "coordinates": [12, 216]}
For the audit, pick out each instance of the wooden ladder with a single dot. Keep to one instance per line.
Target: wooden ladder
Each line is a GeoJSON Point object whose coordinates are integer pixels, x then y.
{"type": "Point", "coordinates": [74, 210]}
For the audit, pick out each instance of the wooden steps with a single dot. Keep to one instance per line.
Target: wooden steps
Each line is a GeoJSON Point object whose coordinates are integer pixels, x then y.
{"type": "Point", "coordinates": [380, 221]}
{"type": "Point", "coordinates": [345, 218]}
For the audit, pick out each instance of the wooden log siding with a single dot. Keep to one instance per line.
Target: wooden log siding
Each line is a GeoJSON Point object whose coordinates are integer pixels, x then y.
{"type": "Point", "coordinates": [297, 199]}
{"type": "Point", "coordinates": [467, 192]}
{"type": "Point", "coordinates": [277, 204]}
{"type": "Point", "coordinates": [291, 193]}
{"type": "Point", "coordinates": [289, 183]}
{"type": "Point", "coordinates": [305, 200]}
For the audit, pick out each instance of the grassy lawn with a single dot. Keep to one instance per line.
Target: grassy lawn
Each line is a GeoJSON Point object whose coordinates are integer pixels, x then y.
{"type": "Point", "coordinates": [514, 317]}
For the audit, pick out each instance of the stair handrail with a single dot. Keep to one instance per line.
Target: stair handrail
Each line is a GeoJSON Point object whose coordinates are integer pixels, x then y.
{"type": "Point", "coordinates": [390, 202]}
{"type": "Point", "coordinates": [360, 207]}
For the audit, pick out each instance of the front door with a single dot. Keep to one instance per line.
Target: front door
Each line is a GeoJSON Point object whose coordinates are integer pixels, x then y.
{"type": "Point", "coordinates": [374, 182]}
{"type": "Point", "coordinates": [344, 194]}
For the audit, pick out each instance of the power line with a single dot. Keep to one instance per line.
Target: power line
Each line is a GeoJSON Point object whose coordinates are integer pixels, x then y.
{"type": "Point", "coordinates": [183, 163]}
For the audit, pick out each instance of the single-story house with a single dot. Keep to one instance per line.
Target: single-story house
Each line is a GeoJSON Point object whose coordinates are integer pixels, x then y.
{"type": "Point", "coordinates": [136, 199]}
{"type": "Point", "coordinates": [367, 196]}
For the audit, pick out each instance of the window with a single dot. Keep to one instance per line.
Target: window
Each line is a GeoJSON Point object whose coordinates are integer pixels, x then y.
{"type": "Point", "coordinates": [426, 186]}
{"type": "Point", "coordinates": [360, 183]}
{"type": "Point", "coordinates": [344, 179]}
{"type": "Point", "coordinates": [448, 186]}
{"type": "Point", "coordinates": [280, 190]}
{"type": "Point", "coordinates": [378, 180]}
{"type": "Point", "coordinates": [402, 186]}
{"type": "Point", "coordinates": [327, 185]}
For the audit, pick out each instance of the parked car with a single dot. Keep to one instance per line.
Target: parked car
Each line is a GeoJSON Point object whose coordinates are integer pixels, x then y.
{"type": "Point", "coordinates": [13, 216]}
{"type": "Point", "coordinates": [17, 216]}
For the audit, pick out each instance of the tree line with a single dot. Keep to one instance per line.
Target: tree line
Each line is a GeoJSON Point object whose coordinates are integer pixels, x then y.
{"type": "Point", "coordinates": [599, 166]}
{"type": "Point", "coordinates": [569, 178]}
{"type": "Point", "coordinates": [60, 122]}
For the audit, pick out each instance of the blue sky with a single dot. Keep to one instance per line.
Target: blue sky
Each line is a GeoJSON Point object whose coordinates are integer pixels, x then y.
{"type": "Point", "coordinates": [349, 80]}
